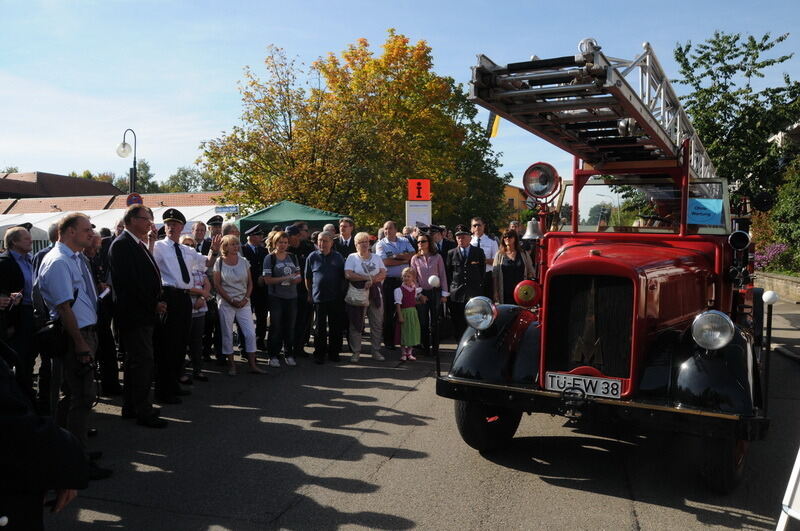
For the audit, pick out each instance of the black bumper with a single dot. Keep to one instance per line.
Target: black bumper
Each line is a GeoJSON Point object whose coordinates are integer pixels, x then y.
{"type": "Point", "coordinates": [646, 415]}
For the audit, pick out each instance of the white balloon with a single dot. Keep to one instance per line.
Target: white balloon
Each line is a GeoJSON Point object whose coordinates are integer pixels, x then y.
{"type": "Point", "coordinates": [770, 297]}
{"type": "Point", "coordinates": [434, 281]}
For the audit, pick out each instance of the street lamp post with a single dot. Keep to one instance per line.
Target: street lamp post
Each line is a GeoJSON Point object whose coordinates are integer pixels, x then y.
{"type": "Point", "coordinates": [123, 150]}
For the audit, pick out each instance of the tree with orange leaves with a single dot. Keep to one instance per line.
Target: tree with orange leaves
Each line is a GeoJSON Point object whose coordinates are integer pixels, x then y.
{"type": "Point", "coordinates": [349, 135]}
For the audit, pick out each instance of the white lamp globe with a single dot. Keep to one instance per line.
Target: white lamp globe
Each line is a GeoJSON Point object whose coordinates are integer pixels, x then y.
{"type": "Point", "coordinates": [434, 281]}
{"type": "Point", "coordinates": [124, 149]}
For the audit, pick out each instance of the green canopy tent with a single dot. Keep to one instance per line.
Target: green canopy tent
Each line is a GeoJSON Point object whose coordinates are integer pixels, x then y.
{"type": "Point", "coordinates": [286, 213]}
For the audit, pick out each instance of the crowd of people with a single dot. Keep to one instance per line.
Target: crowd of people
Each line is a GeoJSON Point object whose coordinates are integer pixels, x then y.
{"type": "Point", "coordinates": [166, 303]}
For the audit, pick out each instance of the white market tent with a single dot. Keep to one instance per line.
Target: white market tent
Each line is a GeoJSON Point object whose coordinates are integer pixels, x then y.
{"type": "Point", "coordinates": [41, 221]}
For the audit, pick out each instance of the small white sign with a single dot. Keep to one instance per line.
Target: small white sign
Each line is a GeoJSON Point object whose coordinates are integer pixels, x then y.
{"type": "Point", "coordinates": [418, 211]}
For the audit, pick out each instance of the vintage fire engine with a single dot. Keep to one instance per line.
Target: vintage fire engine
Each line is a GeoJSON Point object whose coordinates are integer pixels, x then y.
{"type": "Point", "coordinates": [643, 309]}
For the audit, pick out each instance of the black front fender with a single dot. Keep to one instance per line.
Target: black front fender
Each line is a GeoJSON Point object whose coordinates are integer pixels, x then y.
{"type": "Point", "coordinates": [720, 380]}
{"type": "Point", "coordinates": [505, 353]}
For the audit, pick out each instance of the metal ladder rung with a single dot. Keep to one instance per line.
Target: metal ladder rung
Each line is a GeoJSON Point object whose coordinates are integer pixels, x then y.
{"type": "Point", "coordinates": [541, 78]}
{"type": "Point", "coordinates": [565, 105]}
{"type": "Point", "coordinates": [540, 64]}
{"type": "Point", "coordinates": [562, 91]}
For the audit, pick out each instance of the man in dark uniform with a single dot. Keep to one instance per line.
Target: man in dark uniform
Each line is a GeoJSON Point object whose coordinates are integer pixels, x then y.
{"type": "Point", "coordinates": [214, 229]}
{"type": "Point", "coordinates": [300, 246]}
{"type": "Point", "coordinates": [465, 266]}
{"type": "Point", "coordinates": [172, 333]}
{"type": "Point", "coordinates": [255, 253]}
{"type": "Point", "coordinates": [212, 333]}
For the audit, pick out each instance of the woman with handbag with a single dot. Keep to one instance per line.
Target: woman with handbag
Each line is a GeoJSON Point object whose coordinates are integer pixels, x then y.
{"type": "Point", "coordinates": [511, 266]}
{"type": "Point", "coordinates": [281, 275]}
{"type": "Point", "coordinates": [365, 272]}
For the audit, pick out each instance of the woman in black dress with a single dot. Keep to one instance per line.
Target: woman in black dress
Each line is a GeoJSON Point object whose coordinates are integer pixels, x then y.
{"type": "Point", "coordinates": [511, 266]}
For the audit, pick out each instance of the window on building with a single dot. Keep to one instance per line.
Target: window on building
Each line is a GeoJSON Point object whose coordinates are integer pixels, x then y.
{"type": "Point", "coordinates": [511, 202]}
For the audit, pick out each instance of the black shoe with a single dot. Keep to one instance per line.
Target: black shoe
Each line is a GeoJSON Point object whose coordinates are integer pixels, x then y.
{"type": "Point", "coordinates": [334, 358]}
{"type": "Point", "coordinates": [221, 362]}
{"type": "Point", "coordinates": [319, 361]}
{"type": "Point", "coordinates": [151, 422]}
{"type": "Point", "coordinates": [95, 472]}
{"type": "Point", "coordinates": [200, 377]}
{"type": "Point", "coordinates": [129, 414]}
{"type": "Point", "coordinates": [186, 380]}
{"type": "Point", "coordinates": [91, 432]}
{"type": "Point", "coordinates": [183, 392]}
{"type": "Point", "coordinates": [94, 456]}
{"type": "Point", "coordinates": [169, 399]}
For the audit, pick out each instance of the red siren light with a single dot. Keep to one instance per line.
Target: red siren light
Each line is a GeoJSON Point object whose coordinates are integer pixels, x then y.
{"type": "Point", "coordinates": [528, 293]}
{"type": "Point", "coordinates": [540, 180]}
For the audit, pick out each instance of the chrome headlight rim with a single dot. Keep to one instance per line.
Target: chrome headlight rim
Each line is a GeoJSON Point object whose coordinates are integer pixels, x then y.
{"type": "Point", "coordinates": [480, 313]}
{"type": "Point", "coordinates": [725, 330]}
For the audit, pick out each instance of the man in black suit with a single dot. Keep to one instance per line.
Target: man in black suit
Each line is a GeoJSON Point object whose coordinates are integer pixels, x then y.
{"type": "Point", "coordinates": [16, 282]}
{"type": "Point", "coordinates": [465, 266]}
{"type": "Point", "coordinates": [255, 253]}
{"type": "Point", "coordinates": [344, 244]}
{"type": "Point", "coordinates": [442, 245]}
{"type": "Point", "coordinates": [137, 288]}
{"type": "Point", "coordinates": [35, 456]}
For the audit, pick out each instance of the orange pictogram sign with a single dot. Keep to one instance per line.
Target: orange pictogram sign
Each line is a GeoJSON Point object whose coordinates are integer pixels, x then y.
{"type": "Point", "coordinates": [419, 189]}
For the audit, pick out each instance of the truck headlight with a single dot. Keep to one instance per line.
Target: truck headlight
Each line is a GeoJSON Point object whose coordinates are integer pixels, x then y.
{"type": "Point", "coordinates": [480, 313]}
{"type": "Point", "coordinates": [712, 330]}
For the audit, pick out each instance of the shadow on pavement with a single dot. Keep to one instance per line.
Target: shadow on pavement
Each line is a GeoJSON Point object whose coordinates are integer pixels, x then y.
{"type": "Point", "coordinates": [246, 452]}
{"type": "Point", "coordinates": [662, 469]}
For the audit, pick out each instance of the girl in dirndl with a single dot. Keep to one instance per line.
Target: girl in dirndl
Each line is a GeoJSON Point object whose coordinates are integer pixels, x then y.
{"type": "Point", "coordinates": [405, 300]}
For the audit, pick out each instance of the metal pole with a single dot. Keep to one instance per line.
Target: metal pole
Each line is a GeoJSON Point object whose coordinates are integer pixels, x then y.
{"type": "Point", "coordinates": [767, 356]}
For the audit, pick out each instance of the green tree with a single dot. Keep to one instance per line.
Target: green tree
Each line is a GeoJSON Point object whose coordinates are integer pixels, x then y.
{"type": "Point", "coordinates": [189, 179]}
{"type": "Point", "coordinates": [145, 178]}
{"type": "Point", "coordinates": [10, 169]}
{"type": "Point", "coordinates": [733, 119]}
{"type": "Point", "coordinates": [347, 139]}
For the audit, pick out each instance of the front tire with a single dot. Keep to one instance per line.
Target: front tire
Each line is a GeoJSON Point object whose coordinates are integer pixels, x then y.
{"type": "Point", "coordinates": [723, 463]}
{"type": "Point", "coordinates": [486, 427]}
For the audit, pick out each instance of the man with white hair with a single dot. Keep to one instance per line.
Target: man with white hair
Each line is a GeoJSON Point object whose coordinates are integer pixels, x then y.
{"type": "Point", "coordinates": [330, 228]}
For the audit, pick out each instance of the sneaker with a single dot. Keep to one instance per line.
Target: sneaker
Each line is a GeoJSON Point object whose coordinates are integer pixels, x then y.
{"type": "Point", "coordinates": [403, 357]}
{"type": "Point", "coordinates": [411, 357]}
{"type": "Point", "coordinates": [290, 361]}
{"type": "Point", "coordinates": [377, 356]}
{"type": "Point", "coordinates": [354, 357]}
{"type": "Point", "coordinates": [274, 362]}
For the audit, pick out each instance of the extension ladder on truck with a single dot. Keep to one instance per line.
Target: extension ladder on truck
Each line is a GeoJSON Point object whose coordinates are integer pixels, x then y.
{"type": "Point", "coordinates": [585, 104]}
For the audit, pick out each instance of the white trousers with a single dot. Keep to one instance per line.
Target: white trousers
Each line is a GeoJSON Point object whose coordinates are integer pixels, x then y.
{"type": "Point", "coordinates": [244, 317]}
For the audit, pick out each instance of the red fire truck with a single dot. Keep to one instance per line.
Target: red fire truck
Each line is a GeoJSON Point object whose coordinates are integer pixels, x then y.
{"type": "Point", "coordinates": [643, 310]}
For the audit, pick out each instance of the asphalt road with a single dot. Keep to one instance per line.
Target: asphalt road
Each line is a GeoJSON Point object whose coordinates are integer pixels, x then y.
{"type": "Point", "coordinates": [371, 446]}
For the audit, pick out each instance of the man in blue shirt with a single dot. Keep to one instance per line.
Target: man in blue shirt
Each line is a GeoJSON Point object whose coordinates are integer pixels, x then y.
{"type": "Point", "coordinates": [67, 287]}
{"type": "Point", "coordinates": [396, 253]}
{"type": "Point", "coordinates": [325, 282]}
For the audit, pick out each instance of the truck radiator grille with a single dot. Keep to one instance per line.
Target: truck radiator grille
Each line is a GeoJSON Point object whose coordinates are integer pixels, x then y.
{"type": "Point", "coordinates": [589, 324]}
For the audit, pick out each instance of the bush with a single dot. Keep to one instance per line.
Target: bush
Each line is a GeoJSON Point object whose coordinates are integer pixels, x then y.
{"type": "Point", "coordinates": [770, 256]}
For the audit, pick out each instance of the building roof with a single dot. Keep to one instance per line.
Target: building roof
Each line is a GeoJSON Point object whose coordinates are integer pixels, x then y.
{"type": "Point", "coordinates": [42, 184]}
{"type": "Point", "coordinates": [58, 204]}
{"type": "Point", "coordinates": [171, 200]}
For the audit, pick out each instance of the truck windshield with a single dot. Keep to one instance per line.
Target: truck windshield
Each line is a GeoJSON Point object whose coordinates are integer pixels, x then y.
{"type": "Point", "coordinates": [645, 206]}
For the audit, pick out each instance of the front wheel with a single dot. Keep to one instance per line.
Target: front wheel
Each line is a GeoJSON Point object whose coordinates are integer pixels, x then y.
{"type": "Point", "coordinates": [723, 462]}
{"type": "Point", "coordinates": [486, 427]}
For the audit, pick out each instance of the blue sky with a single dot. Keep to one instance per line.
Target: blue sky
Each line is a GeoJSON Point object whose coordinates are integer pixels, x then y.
{"type": "Point", "coordinates": [74, 75]}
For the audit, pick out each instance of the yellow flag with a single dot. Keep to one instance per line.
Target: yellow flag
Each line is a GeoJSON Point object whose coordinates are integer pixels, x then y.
{"type": "Point", "coordinates": [494, 123]}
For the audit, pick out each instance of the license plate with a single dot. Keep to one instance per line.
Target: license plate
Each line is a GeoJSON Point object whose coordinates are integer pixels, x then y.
{"type": "Point", "coordinates": [591, 385]}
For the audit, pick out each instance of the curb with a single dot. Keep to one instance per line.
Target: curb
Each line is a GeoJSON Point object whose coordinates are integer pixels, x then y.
{"type": "Point", "coordinates": [786, 352]}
